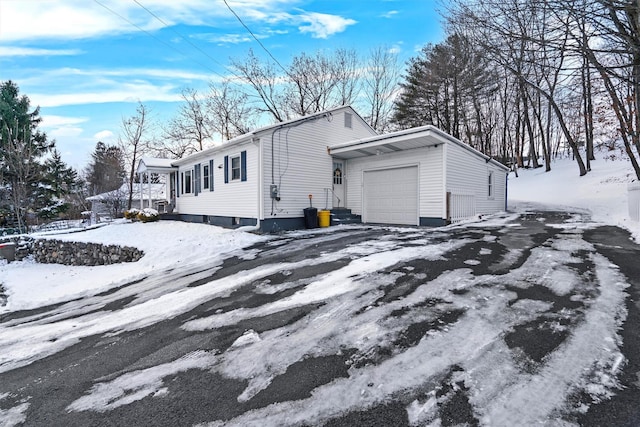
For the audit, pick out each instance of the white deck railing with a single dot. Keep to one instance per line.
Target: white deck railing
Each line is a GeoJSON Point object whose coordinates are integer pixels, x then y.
{"type": "Point", "coordinates": [461, 206]}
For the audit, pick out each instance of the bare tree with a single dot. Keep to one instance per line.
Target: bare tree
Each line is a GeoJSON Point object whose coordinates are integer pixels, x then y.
{"type": "Point", "coordinates": [607, 34]}
{"type": "Point", "coordinates": [347, 74]}
{"type": "Point", "coordinates": [321, 81]}
{"type": "Point", "coordinates": [266, 83]}
{"type": "Point", "coordinates": [189, 130]}
{"type": "Point", "coordinates": [311, 83]}
{"type": "Point", "coordinates": [228, 111]}
{"type": "Point", "coordinates": [380, 83]}
{"type": "Point", "coordinates": [134, 142]}
{"type": "Point", "coordinates": [512, 35]}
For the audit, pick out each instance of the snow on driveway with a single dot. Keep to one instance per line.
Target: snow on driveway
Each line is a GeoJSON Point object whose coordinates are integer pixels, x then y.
{"type": "Point", "coordinates": [512, 321]}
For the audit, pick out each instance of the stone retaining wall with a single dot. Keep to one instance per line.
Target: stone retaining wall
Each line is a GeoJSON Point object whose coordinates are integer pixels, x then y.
{"type": "Point", "coordinates": [77, 253]}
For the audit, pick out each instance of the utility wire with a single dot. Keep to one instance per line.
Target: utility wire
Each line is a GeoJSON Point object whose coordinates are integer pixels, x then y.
{"type": "Point", "coordinates": [255, 38]}
{"type": "Point", "coordinates": [184, 38]}
{"type": "Point", "coordinates": [158, 40]}
{"type": "Point", "coordinates": [310, 95]}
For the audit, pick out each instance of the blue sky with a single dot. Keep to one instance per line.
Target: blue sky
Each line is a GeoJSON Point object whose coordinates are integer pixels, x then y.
{"type": "Point", "coordinates": [87, 63]}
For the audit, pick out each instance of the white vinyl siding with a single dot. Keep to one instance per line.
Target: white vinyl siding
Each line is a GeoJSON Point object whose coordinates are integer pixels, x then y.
{"type": "Point", "coordinates": [469, 174]}
{"type": "Point", "coordinates": [297, 162]}
{"type": "Point", "coordinates": [235, 199]}
{"type": "Point", "coordinates": [301, 165]}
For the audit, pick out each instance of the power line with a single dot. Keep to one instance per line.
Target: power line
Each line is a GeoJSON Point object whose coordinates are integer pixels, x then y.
{"type": "Point", "coordinates": [157, 39]}
{"type": "Point", "coordinates": [182, 37]}
{"type": "Point", "coordinates": [255, 38]}
{"type": "Point", "coordinates": [310, 95]}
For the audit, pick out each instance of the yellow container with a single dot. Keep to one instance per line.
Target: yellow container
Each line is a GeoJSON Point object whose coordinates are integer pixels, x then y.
{"type": "Point", "coordinates": [324, 218]}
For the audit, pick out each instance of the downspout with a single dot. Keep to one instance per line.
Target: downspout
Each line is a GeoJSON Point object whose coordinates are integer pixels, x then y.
{"type": "Point", "coordinates": [260, 201]}
{"type": "Point", "coordinates": [506, 187]}
{"type": "Point", "coordinates": [445, 215]}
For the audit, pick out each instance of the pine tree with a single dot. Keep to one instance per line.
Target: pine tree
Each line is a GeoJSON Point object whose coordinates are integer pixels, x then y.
{"type": "Point", "coordinates": [58, 182]}
{"type": "Point", "coordinates": [446, 86]}
{"type": "Point", "coordinates": [106, 169]}
{"type": "Point", "coordinates": [22, 147]}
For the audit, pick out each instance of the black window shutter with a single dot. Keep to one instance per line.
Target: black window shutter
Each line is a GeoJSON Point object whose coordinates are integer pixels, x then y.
{"type": "Point", "coordinates": [178, 189]}
{"type": "Point", "coordinates": [243, 166]}
{"type": "Point", "coordinates": [226, 169]}
{"type": "Point", "coordinates": [211, 175]}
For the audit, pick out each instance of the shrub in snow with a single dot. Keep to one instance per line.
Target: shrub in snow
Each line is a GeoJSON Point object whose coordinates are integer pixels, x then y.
{"type": "Point", "coordinates": [132, 214]}
{"type": "Point", "coordinates": [148, 215]}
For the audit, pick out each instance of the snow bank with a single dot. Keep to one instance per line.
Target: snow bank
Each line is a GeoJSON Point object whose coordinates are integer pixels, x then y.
{"type": "Point", "coordinates": [602, 192]}
{"type": "Point", "coordinates": [166, 244]}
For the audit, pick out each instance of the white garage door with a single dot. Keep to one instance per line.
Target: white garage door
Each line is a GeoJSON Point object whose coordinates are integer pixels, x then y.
{"type": "Point", "coordinates": [391, 196]}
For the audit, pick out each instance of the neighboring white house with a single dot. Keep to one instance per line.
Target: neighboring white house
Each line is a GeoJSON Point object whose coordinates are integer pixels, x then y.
{"type": "Point", "coordinates": [111, 204]}
{"type": "Point", "coordinates": [265, 178]}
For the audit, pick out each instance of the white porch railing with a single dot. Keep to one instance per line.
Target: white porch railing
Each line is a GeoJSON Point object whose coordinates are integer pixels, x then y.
{"type": "Point", "coordinates": [633, 190]}
{"type": "Point", "coordinates": [460, 206]}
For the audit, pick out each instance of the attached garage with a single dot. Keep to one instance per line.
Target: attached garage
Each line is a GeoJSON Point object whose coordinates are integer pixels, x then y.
{"type": "Point", "coordinates": [419, 176]}
{"type": "Point", "coordinates": [390, 196]}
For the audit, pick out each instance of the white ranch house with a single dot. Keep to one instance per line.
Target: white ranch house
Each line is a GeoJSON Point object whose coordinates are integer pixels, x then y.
{"type": "Point", "coordinates": [419, 176]}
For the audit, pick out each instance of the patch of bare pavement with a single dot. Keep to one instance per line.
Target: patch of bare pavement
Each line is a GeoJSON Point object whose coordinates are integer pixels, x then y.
{"type": "Point", "coordinates": [524, 319]}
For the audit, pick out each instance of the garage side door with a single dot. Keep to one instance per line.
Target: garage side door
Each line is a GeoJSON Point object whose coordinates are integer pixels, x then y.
{"type": "Point", "coordinates": [391, 196]}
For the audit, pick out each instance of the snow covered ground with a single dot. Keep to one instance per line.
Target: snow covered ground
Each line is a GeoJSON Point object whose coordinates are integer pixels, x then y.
{"type": "Point", "coordinates": [166, 244]}
{"type": "Point", "coordinates": [348, 315]}
{"type": "Point", "coordinates": [603, 192]}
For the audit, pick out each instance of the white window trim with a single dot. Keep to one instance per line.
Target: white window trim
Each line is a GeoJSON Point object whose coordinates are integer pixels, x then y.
{"type": "Point", "coordinates": [188, 190]}
{"type": "Point", "coordinates": [231, 158]}
{"type": "Point", "coordinates": [205, 176]}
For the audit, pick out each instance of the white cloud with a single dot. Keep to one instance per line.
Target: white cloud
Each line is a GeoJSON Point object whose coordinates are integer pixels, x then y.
{"type": "Point", "coordinates": [396, 48]}
{"type": "Point", "coordinates": [104, 136]}
{"type": "Point", "coordinates": [321, 25]}
{"type": "Point", "coordinates": [29, 51]}
{"type": "Point", "coordinates": [129, 73]}
{"type": "Point", "coordinates": [75, 19]}
{"type": "Point", "coordinates": [131, 92]}
{"type": "Point", "coordinates": [224, 38]}
{"type": "Point", "coordinates": [65, 132]}
{"type": "Point", "coordinates": [389, 14]}
{"type": "Point", "coordinates": [51, 121]}
{"type": "Point", "coordinates": [75, 86]}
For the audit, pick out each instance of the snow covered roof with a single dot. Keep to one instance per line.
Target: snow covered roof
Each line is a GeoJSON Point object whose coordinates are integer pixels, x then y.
{"type": "Point", "coordinates": [158, 192]}
{"type": "Point", "coordinates": [155, 165]}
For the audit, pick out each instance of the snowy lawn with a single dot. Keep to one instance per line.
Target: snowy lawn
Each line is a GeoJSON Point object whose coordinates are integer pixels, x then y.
{"type": "Point", "coordinates": [602, 192]}
{"type": "Point", "coordinates": [166, 244]}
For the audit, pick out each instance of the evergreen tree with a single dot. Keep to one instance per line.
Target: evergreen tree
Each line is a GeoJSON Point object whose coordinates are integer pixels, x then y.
{"type": "Point", "coordinates": [22, 147]}
{"type": "Point", "coordinates": [446, 86]}
{"type": "Point", "coordinates": [58, 182]}
{"type": "Point", "coordinates": [106, 169]}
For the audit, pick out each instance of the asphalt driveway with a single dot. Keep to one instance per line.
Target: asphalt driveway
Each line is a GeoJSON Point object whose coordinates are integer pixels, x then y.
{"type": "Point", "coordinates": [524, 319]}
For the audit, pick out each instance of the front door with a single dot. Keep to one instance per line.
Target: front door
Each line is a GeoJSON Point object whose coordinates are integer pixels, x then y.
{"type": "Point", "coordinates": [338, 184]}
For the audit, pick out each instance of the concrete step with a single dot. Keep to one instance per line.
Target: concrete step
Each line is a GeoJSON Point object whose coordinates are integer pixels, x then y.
{"type": "Point", "coordinates": [344, 216]}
